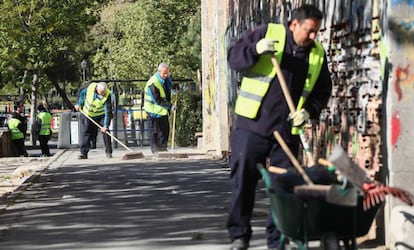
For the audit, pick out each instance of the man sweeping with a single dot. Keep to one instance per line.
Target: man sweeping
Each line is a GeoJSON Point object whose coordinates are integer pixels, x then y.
{"type": "Point", "coordinates": [95, 102]}
{"type": "Point", "coordinates": [157, 104]}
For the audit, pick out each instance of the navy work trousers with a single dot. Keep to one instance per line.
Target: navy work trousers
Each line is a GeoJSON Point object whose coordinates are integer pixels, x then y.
{"type": "Point", "coordinates": [90, 131]}
{"type": "Point", "coordinates": [247, 150]}
{"type": "Point", "coordinates": [44, 147]}
{"type": "Point", "coordinates": [159, 133]}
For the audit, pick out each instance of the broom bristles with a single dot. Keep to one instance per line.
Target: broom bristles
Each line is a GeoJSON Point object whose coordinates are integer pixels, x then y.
{"type": "Point", "coordinates": [132, 155]}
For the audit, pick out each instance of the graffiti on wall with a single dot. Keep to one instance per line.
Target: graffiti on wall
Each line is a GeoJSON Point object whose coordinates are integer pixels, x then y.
{"type": "Point", "coordinates": [402, 33]}
{"type": "Point", "coordinates": [403, 90]}
{"type": "Point", "coordinates": [351, 35]}
{"type": "Point", "coordinates": [395, 128]}
{"type": "Point", "coordinates": [210, 90]}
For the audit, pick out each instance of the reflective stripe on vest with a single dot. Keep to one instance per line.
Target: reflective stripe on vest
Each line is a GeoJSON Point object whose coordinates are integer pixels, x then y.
{"type": "Point", "coordinates": [256, 81]}
{"type": "Point", "coordinates": [316, 58]}
{"type": "Point", "coordinates": [46, 119]}
{"type": "Point", "coordinates": [94, 107]}
{"type": "Point", "coordinates": [150, 105]}
{"type": "Point", "coordinates": [315, 64]}
{"type": "Point", "coordinates": [13, 124]}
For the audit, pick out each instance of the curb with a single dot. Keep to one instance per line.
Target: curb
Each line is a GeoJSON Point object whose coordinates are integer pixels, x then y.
{"type": "Point", "coordinates": [7, 198]}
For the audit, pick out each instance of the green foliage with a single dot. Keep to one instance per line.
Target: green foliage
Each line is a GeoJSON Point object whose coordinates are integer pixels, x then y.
{"type": "Point", "coordinates": [134, 38]}
{"type": "Point", "coordinates": [191, 47]}
{"type": "Point", "coordinates": [188, 117]}
{"type": "Point", "coordinates": [51, 38]}
{"type": "Point", "coordinates": [34, 34]}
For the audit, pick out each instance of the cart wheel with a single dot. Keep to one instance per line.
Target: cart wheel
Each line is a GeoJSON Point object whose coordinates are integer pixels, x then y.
{"type": "Point", "coordinates": [282, 243]}
{"type": "Point", "coordinates": [349, 244]}
{"type": "Point", "coordinates": [330, 242]}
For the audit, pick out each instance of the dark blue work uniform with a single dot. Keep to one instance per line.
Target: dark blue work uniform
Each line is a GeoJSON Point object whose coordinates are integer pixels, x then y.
{"type": "Point", "coordinates": [252, 139]}
{"type": "Point", "coordinates": [90, 130]}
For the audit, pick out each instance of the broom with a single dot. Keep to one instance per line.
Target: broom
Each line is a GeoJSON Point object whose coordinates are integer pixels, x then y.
{"type": "Point", "coordinates": [173, 123]}
{"type": "Point", "coordinates": [292, 109]}
{"type": "Point", "coordinates": [173, 154]}
{"type": "Point", "coordinates": [126, 156]}
{"type": "Point", "coordinates": [333, 194]}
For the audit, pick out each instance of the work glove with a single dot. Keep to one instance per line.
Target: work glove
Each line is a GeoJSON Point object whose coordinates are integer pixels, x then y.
{"type": "Point", "coordinates": [265, 46]}
{"type": "Point", "coordinates": [298, 117]}
{"type": "Point", "coordinates": [173, 107]}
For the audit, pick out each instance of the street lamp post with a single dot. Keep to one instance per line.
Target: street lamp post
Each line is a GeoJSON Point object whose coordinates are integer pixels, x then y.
{"type": "Point", "coordinates": [83, 65]}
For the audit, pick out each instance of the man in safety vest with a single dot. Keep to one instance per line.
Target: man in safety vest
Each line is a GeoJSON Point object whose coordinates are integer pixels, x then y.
{"type": "Point", "coordinates": [44, 122]}
{"type": "Point", "coordinates": [95, 102]}
{"type": "Point", "coordinates": [261, 108]}
{"type": "Point", "coordinates": [16, 127]}
{"type": "Point", "coordinates": [84, 85]}
{"type": "Point", "coordinates": [22, 118]}
{"type": "Point", "coordinates": [157, 104]}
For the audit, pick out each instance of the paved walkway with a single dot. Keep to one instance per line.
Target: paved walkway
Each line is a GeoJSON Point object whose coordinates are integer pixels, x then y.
{"type": "Point", "coordinates": [16, 170]}
{"type": "Point", "coordinates": [125, 203]}
{"type": "Point", "coordinates": [157, 202]}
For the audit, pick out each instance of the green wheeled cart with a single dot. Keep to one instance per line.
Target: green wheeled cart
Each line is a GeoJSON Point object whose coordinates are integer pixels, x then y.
{"type": "Point", "coordinates": [301, 220]}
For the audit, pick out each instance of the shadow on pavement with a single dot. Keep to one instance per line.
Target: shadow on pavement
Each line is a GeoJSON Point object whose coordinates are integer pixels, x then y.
{"type": "Point", "coordinates": [145, 205]}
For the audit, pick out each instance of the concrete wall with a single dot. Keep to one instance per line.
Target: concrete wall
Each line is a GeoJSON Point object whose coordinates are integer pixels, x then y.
{"type": "Point", "coordinates": [398, 49]}
{"type": "Point", "coordinates": [214, 67]}
{"type": "Point", "coordinates": [370, 52]}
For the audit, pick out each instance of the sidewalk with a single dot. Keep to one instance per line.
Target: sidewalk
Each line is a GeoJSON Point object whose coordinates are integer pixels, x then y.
{"type": "Point", "coordinates": [16, 172]}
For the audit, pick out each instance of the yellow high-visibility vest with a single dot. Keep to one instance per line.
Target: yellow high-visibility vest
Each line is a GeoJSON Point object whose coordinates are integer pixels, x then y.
{"type": "Point", "coordinates": [46, 119]}
{"type": "Point", "coordinates": [94, 107]}
{"type": "Point", "coordinates": [149, 105]}
{"type": "Point", "coordinates": [256, 81]}
{"type": "Point", "coordinates": [13, 124]}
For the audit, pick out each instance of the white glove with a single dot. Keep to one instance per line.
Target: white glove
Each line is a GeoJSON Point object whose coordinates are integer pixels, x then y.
{"type": "Point", "coordinates": [173, 107]}
{"type": "Point", "coordinates": [265, 46]}
{"type": "Point", "coordinates": [299, 117]}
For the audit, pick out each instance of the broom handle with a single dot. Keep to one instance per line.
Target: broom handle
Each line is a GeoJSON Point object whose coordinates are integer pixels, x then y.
{"type": "Point", "coordinates": [174, 116]}
{"type": "Point", "coordinates": [283, 85]}
{"type": "Point", "coordinates": [292, 108]}
{"type": "Point", "coordinates": [108, 133]}
{"type": "Point", "coordinates": [292, 158]}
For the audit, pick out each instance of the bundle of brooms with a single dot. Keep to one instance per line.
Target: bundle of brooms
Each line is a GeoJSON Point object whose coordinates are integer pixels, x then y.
{"type": "Point", "coordinates": [343, 195]}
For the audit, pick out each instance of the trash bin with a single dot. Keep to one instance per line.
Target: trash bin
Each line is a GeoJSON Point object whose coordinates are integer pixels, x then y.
{"type": "Point", "coordinates": [70, 130]}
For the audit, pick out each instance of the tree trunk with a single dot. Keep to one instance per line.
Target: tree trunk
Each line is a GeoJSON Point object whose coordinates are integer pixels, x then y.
{"type": "Point", "coordinates": [62, 93]}
{"type": "Point", "coordinates": [21, 91]}
{"type": "Point", "coordinates": [33, 106]}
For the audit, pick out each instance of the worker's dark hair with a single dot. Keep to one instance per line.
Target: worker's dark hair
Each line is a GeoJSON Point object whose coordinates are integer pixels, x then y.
{"type": "Point", "coordinates": [41, 108]}
{"type": "Point", "coordinates": [307, 11]}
